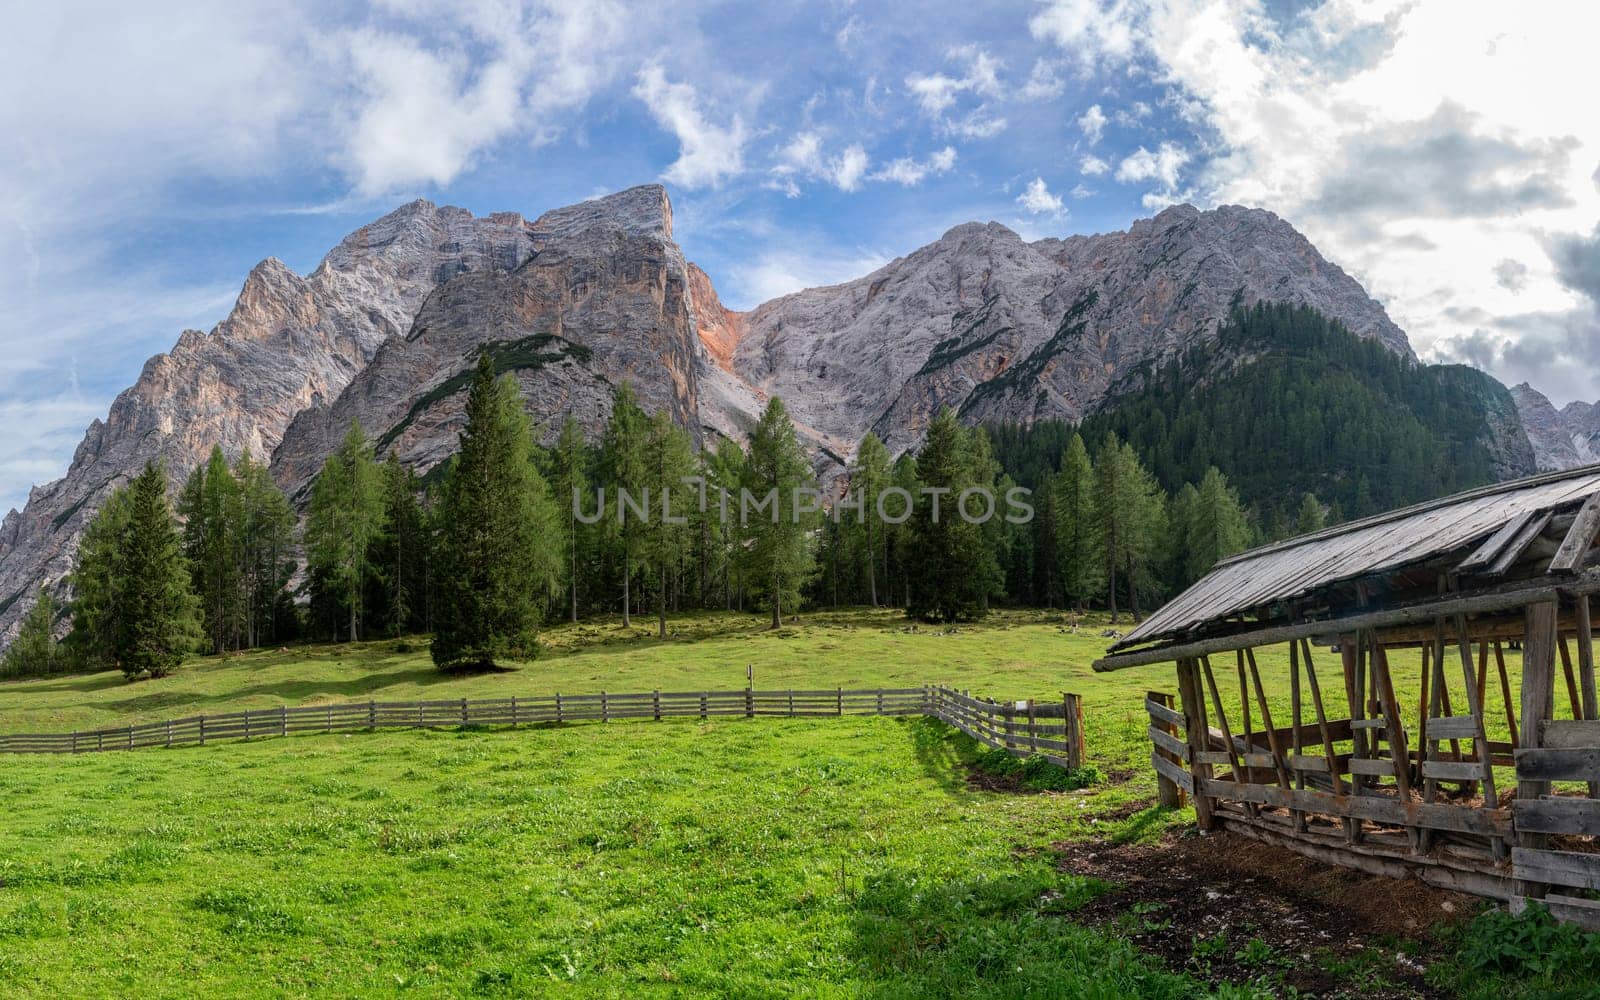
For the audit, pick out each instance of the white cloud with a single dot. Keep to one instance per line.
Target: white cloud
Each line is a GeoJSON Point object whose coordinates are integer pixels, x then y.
{"type": "Point", "coordinates": [707, 153]}
{"type": "Point", "coordinates": [775, 273]}
{"type": "Point", "coordinates": [1043, 82]}
{"type": "Point", "coordinates": [1161, 165]}
{"type": "Point", "coordinates": [1036, 199]}
{"type": "Point", "coordinates": [1088, 29]}
{"type": "Point", "coordinates": [1093, 166]}
{"type": "Point", "coordinates": [910, 172]}
{"type": "Point", "coordinates": [1093, 123]}
{"type": "Point", "coordinates": [937, 93]}
{"type": "Point", "coordinates": [803, 156]}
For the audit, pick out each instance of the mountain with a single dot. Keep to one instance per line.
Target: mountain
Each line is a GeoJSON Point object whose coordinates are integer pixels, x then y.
{"type": "Point", "coordinates": [1561, 438]}
{"type": "Point", "coordinates": [387, 327]}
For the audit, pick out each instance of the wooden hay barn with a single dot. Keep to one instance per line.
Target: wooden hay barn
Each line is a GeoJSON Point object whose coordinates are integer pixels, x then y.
{"type": "Point", "coordinates": [1398, 630]}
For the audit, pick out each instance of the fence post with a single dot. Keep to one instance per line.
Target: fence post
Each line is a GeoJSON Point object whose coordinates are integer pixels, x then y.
{"type": "Point", "coordinates": [74, 741]}
{"type": "Point", "coordinates": [1033, 733]}
{"type": "Point", "coordinates": [655, 703]}
{"type": "Point", "coordinates": [283, 720]}
{"type": "Point", "coordinates": [1168, 794]}
{"type": "Point", "coordinates": [1072, 723]}
{"type": "Point", "coordinates": [202, 730]}
{"type": "Point", "coordinates": [372, 715]}
{"type": "Point", "coordinates": [749, 690]}
{"type": "Point", "coordinates": [513, 711]}
{"type": "Point", "coordinates": [702, 705]}
{"type": "Point", "coordinates": [839, 694]}
{"type": "Point", "coordinates": [605, 708]}
{"type": "Point", "coordinates": [558, 706]}
{"type": "Point", "coordinates": [880, 701]}
{"type": "Point", "coordinates": [130, 737]}
{"type": "Point", "coordinates": [330, 718]}
{"type": "Point", "coordinates": [466, 716]}
{"type": "Point", "coordinates": [791, 703]}
{"type": "Point", "coordinates": [169, 732]}
{"type": "Point", "coordinates": [247, 724]}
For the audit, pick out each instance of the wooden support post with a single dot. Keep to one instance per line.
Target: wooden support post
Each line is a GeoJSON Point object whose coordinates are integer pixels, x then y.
{"type": "Point", "coordinates": [1505, 694]}
{"type": "Point", "coordinates": [655, 704]}
{"type": "Point", "coordinates": [1072, 728]}
{"type": "Point", "coordinates": [1538, 689]}
{"type": "Point", "coordinates": [1239, 777]}
{"type": "Point", "coordinates": [1351, 825]}
{"type": "Point", "coordinates": [1168, 794]}
{"type": "Point", "coordinates": [1586, 657]}
{"type": "Point", "coordinates": [1194, 720]}
{"type": "Point", "coordinates": [1351, 666]}
{"type": "Point", "coordinates": [605, 708]}
{"type": "Point", "coordinates": [283, 720]}
{"type": "Point", "coordinates": [1266, 721]}
{"type": "Point", "coordinates": [1571, 678]}
{"type": "Point", "coordinates": [1295, 723]}
{"type": "Point", "coordinates": [1480, 740]}
{"type": "Point", "coordinates": [513, 711]}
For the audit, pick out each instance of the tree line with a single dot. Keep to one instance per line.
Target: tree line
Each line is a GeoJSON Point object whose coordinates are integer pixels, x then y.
{"type": "Point", "coordinates": [507, 535]}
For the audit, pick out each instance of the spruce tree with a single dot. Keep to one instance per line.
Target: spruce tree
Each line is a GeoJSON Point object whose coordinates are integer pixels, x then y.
{"type": "Point", "coordinates": [1082, 565]}
{"type": "Point", "coordinates": [724, 472]}
{"type": "Point", "coordinates": [569, 487]}
{"type": "Point", "coordinates": [345, 518]}
{"type": "Point", "coordinates": [777, 537]}
{"type": "Point", "coordinates": [1129, 517]}
{"type": "Point", "coordinates": [399, 553]}
{"type": "Point", "coordinates": [952, 568]}
{"type": "Point", "coordinates": [158, 621]}
{"type": "Point", "coordinates": [35, 652]}
{"type": "Point", "coordinates": [499, 548]}
{"type": "Point", "coordinates": [97, 605]}
{"type": "Point", "coordinates": [623, 455]}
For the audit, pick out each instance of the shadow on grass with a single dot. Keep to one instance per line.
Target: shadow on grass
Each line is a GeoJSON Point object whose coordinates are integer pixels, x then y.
{"type": "Point", "coordinates": [291, 691]}
{"type": "Point", "coordinates": [935, 746]}
{"type": "Point", "coordinates": [994, 935]}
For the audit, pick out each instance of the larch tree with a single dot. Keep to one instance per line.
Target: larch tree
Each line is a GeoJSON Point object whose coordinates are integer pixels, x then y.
{"type": "Point", "coordinates": [868, 479]}
{"type": "Point", "coordinates": [1310, 516]}
{"type": "Point", "coordinates": [1072, 489]}
{"type": "Point", "coordinates": [668, 457]}
{"type": "Point", "coordinates": [34, 652]}
{"type": "Point", "coordinates": [623, 458]}
{"type": "Point", "coordinates": [777, 528]}
{"type": "Point", "coordinates": [400, 553]}
{"type": "Point", "coordinates": [499, 549]}
{"type": "Point", "coordinates": [345, 517]}
{"type": "Point", "coordinates": [569, 486]}
{"type": "Point", "coordinates": [1217, 527]}
{"type": "Point", "coordinates": [266, 552]}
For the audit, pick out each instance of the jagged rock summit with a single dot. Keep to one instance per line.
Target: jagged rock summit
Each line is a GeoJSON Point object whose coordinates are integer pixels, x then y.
{"type": "Point", "coordinates": [1562, 439]}
{"type": "Point", "coordinates": [588, 296]}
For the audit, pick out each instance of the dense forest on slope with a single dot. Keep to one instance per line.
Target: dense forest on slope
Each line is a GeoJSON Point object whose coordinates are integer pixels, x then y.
{"type": "Point", "coordinates": [1287, 402]}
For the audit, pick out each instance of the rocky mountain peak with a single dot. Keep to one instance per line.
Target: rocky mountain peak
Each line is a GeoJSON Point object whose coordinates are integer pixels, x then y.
{"type": "Point", "coordinates": [1561, 439]}
{"type": "Point", "coordinates": [638, 211]}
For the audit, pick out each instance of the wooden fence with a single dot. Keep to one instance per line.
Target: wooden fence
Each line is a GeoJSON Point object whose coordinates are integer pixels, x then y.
{"type": "Point", "coordinates": [1052, 730]}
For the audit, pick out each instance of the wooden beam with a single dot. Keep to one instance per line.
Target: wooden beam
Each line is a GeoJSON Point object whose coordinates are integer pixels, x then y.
{"type": "Point", "coordinates": [1580, 537]}
{"type": "Point", "coordinates": [1538, 689]}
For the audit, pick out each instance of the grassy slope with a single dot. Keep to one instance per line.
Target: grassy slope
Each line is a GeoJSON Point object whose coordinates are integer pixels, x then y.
{"type": "Point", "coordinates": [740, 858]}
{"type": "Point", "coordinates": [744, 858]}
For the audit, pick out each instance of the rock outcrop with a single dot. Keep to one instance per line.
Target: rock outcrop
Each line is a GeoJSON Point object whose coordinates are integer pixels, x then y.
{"type": "Point", "coordinates": [289, 343]}
{"type": "Point", "coordinates": [386, 329]}
{"type": "Point", "coordinates": [1562, 439]}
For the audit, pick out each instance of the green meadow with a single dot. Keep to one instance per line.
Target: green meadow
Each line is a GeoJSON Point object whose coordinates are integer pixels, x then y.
{"type": "Point", "coordinates": [851, 857]}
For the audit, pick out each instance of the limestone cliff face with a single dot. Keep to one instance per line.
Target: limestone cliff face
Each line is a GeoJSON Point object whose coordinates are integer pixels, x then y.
{"type": "Point", "coordinates": [604, 299]}
{"type": "Point", "coordinates": [290, 342]}
{"type": "Point", "coordinates": [1562, 439]}
{"type": "Point", "coordinates": [388, 327]}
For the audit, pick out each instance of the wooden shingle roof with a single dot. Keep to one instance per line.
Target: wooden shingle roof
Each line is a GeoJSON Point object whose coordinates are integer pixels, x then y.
{"type": "Point", "coordinates": [1490, 527]}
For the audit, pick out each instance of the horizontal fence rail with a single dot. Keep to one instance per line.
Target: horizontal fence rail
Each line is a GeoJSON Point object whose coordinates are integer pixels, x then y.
{"type": "Point", "coordinates": [1052, 730]}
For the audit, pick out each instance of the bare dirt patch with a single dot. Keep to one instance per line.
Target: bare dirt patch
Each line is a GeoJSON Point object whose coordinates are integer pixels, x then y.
{"type": "Point", "coordinates": [1226, 908]}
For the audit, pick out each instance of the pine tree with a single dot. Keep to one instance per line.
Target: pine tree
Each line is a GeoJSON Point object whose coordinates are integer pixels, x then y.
{"type": "Point", "coordinates": [1310, 518]}
{"type": "Point", "coordinates": [500, 551]}
{"type": "Point", "coordinates": [668, 457]}
{"type": "Point", "coordinates": [345, 518]}
{"type": "Point", "coordinates": [952, 569]}
{"type": "Point", "coordinates": [778, 535]}
{"type": "Point", "coordinates": [569, 487]}
{"type": "Point", "coordinates": [212, 507]}
{"type": "Point", "coordinates": [623, 453]}
{"type": "Point", "coordinates": [158, 622]}
{"type": "Point", "coordinates": [1076, 539]}
{"type": "Point", "coordinates": [35, 652]}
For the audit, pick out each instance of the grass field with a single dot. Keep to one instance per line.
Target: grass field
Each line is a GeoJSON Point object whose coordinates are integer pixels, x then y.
{"type": "Point", "coordinates": [747, 858]}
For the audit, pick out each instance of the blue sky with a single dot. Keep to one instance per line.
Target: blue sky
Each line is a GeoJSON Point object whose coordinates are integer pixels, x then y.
{"type": "Point", "coordinates": [154, 152]}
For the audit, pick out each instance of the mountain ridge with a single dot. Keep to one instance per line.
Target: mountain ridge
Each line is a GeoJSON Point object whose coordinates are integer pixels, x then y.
{"type": "Point", "coordinates": [588, 295]}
